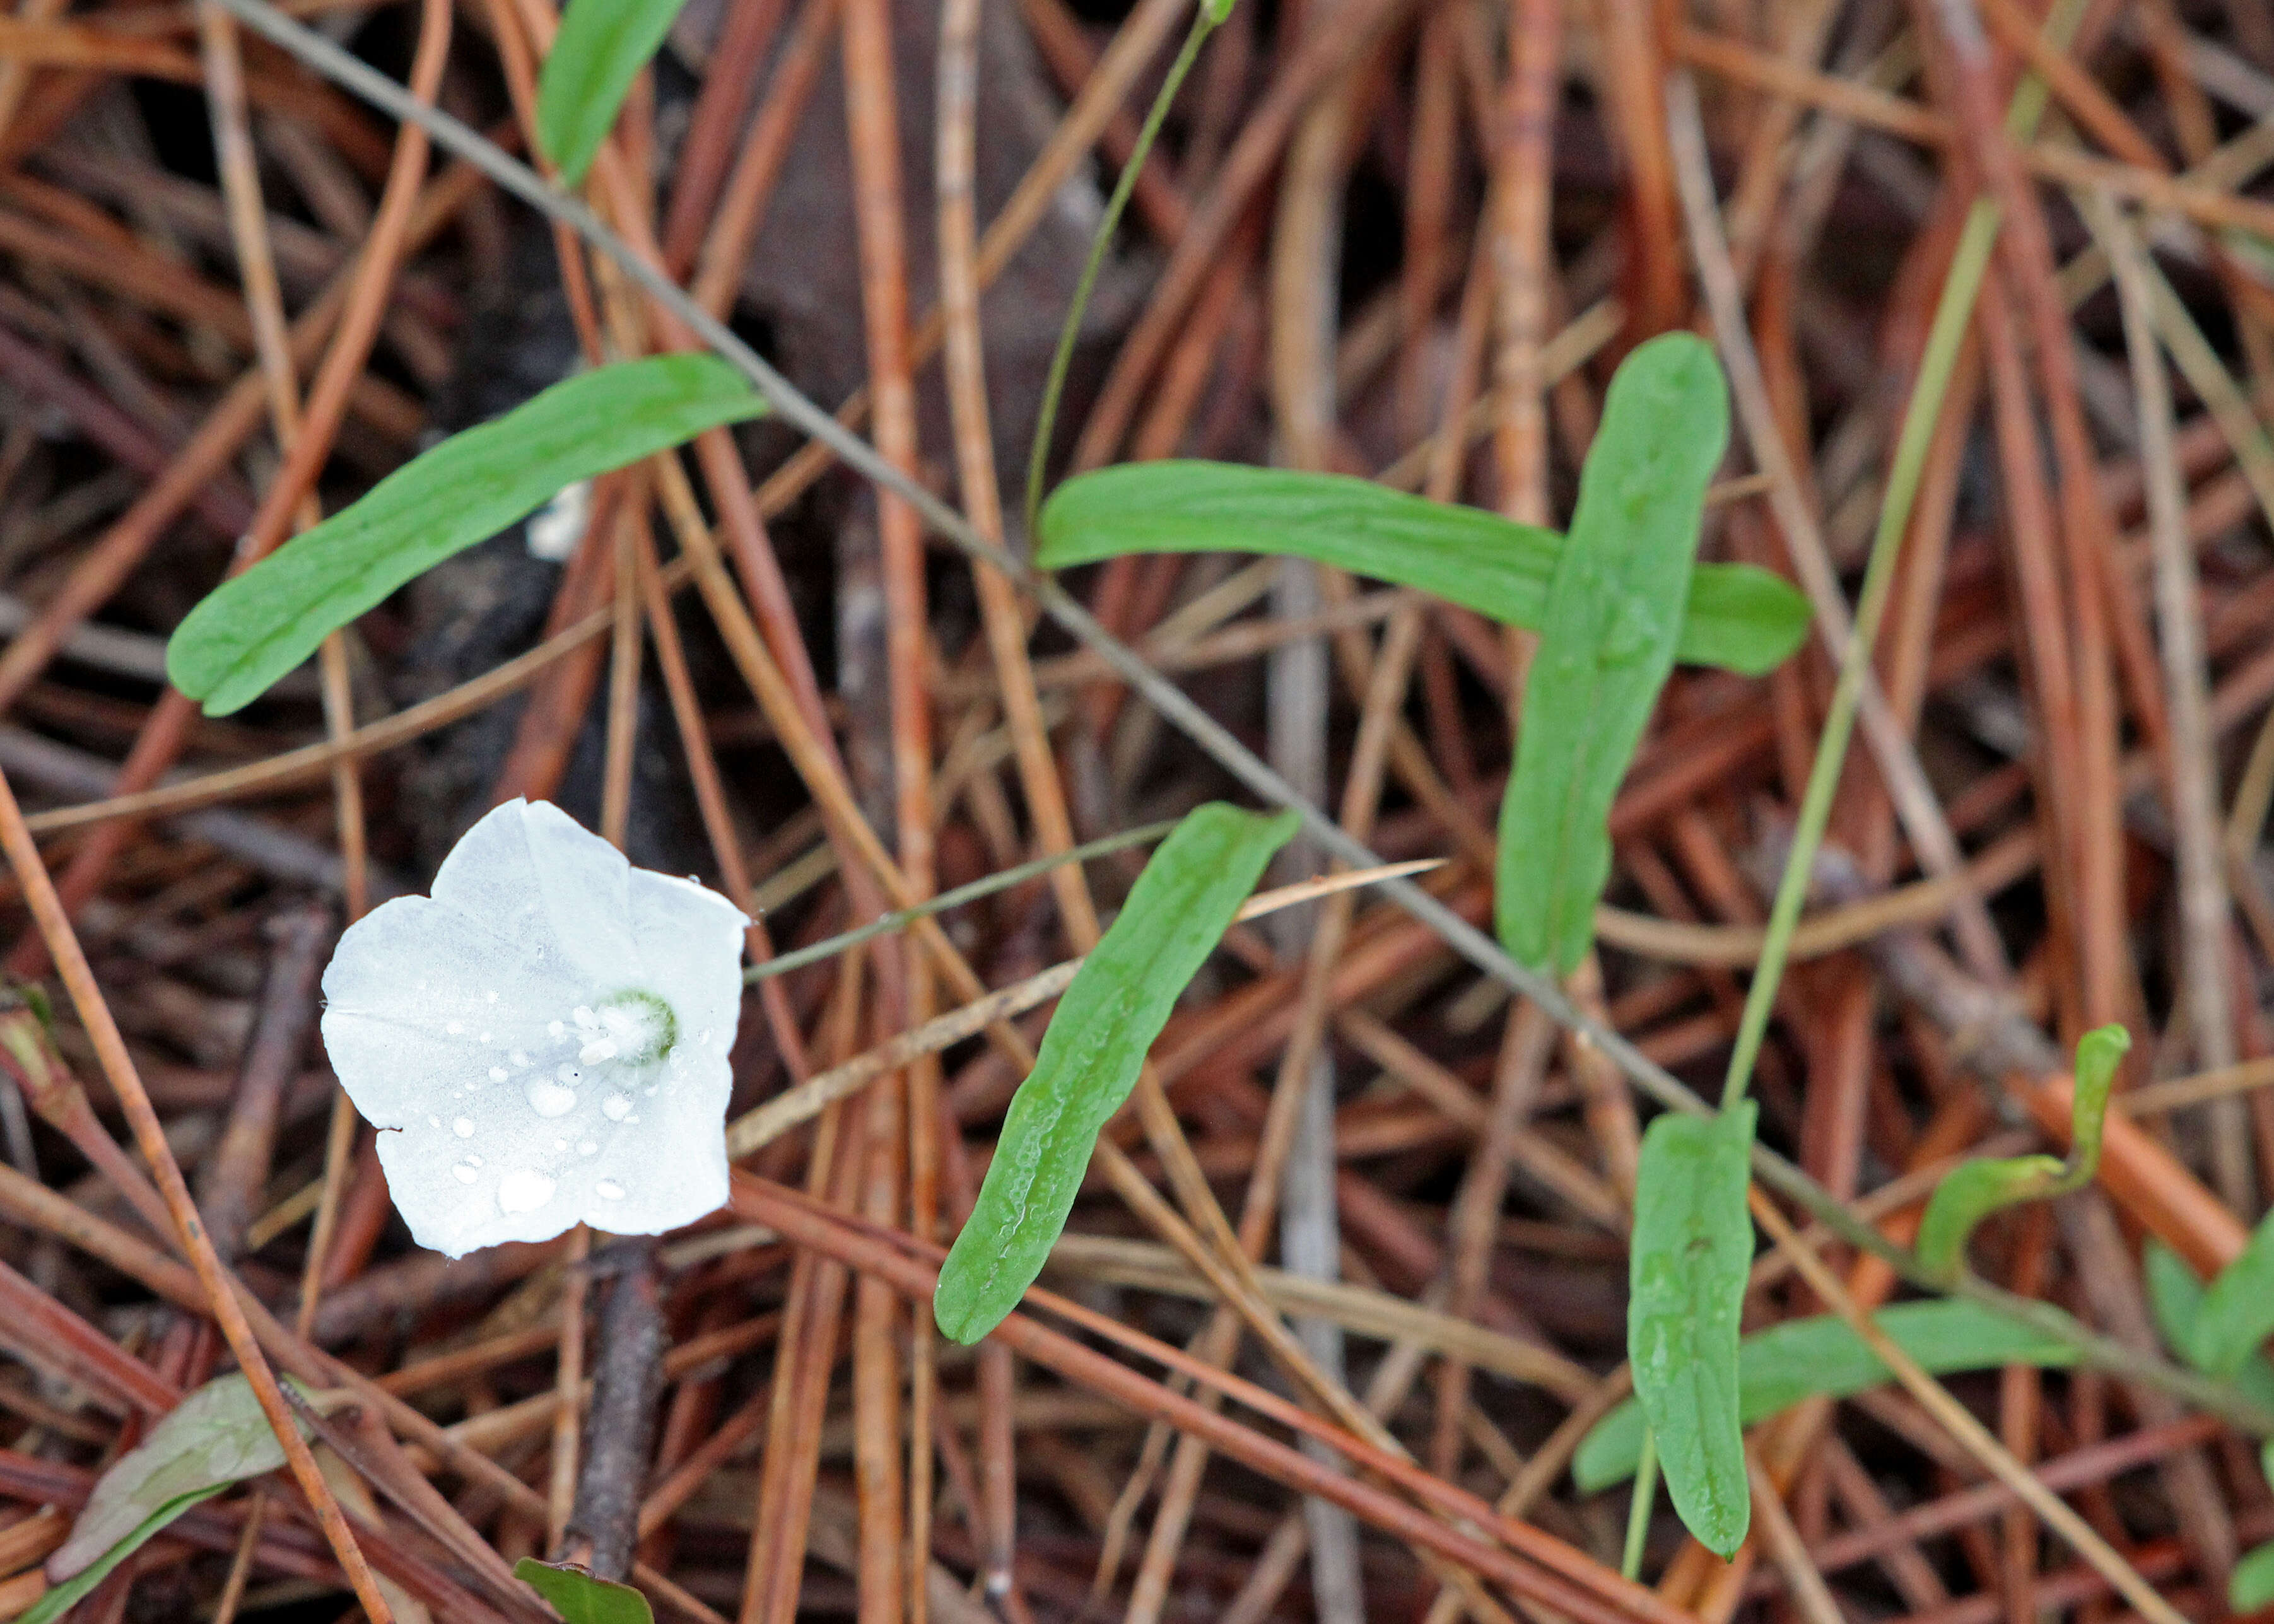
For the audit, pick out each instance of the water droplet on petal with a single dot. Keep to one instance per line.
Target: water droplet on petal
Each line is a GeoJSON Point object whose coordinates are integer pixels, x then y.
{"type": "Point", "coordinates": [555, 1028]}
{"type": "Point", "coordinates": [484, 1038]}
{"type": "Point", "coordinates": [464, 1127]}
{"type": "Point", "coordinates": [586, 1147]}
{"type": "Point", "coordinates": [473, 1162]}
{"type": "Point", "coordinates": [548, 1098]}
{"type": "Point", "coordinates": [466, 1173]}
{"type": "Point", "coordinates": [523, 1190]}
{"type": "Point", "coordinates": [609, 1190]}
{"type": "Point", "coordinates": [616, 1106]}
{"type": "Point", "coordinates": [454, 1027]}
{"type": "Point", "coordinates": [520, 1056]}
{"type": "Point", "coordinates": [497, 1074]}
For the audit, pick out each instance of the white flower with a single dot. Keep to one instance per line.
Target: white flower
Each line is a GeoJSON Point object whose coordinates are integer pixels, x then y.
{"type": "Point", "coordinates": [544, 1041]}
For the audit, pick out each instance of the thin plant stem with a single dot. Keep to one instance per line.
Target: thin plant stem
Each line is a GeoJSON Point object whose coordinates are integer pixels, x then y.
{"type": "Point", "coordinates": [1638, 1509]}
{"type": "Point", "coordinates": [1204, 22]}
{"type": "Point", "coordinates": [956, 898]}
{"type": "Point", "coordinates": [1953, 310]}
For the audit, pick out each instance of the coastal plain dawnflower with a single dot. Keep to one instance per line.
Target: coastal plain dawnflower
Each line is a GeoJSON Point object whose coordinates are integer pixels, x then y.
{"type": "Point", "coordinates": [543, 1040]}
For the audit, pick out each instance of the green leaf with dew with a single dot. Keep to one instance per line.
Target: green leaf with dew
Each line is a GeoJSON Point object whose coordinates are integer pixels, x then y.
{"type": "Point", "coordinates": [583, 1597]}
{"type": "Point", "coordinates": [1118, 1002]}
{"type": "Point", "coordinates": [217, 1436]}
{"type": "Point", "coordinates": [600, 49]}
{"type": "Point", "coordinates": [1744, 619]}
{"type": "Point", "coordinates": [1693, 1247]}
{"type": "Point", "coordinates": [1821, 1357]}
{"type": "Point", "coordinates": [53, 1603]}
{"type": "Point", "coordinates": [253, 628]}
{"type": "Point", "coordinates": [1606, 642]}
{"type": "Point", "coordinates": [1972, 1190]}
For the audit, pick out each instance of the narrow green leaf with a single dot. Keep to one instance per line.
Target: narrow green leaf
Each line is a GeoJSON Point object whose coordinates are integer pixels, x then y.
{"type": "Point", "coordinates": [2251, 1585]}
{"type": "Point", "coordinates": [601, 47]}
{"type": "Point", "coordinates": [1744, 619]}
{"type": "Point", "coordinates": [2098, 1053]}
{"type": "Point", "coordinates": [252, 629]}
{"type": "Point", "coordinates": [580, 1596]}
{"type": "Point", "coordinates": [1693, 1243]}
{"type": "Point", "coordinates": [54, 1602]}
{"type": "Point", "coordinates": [217, 1436]}
{"type": "Point", "coordinates": [1116, 1006]}
{"type": "Point", "coordinates": [1973, 1190]}
{"type": "Point", "coordinates": [1822, 1356]}
{"type": "Point", "coordinates": [1606, 642]}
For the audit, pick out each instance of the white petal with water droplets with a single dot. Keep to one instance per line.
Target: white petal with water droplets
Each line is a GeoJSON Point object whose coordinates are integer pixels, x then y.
{"type": "Point", "coordinates": [545, 963]}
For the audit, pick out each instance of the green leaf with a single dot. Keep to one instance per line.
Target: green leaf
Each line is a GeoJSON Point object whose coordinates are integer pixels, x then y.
{"type": "Point", "coordinates": [1693, 1243]}
{"type": "Point", "coordinates": [54, 1602]}
{"type": "Point", "coordinates": [582, 1598]}
{"type": "Point", "coordinates": [1606, 642]}
{"type": "Point", "coordinates": [2251, 1585]}
{"type": "Point", "coordinates": [601, 47]}
{"type": "Point", "coordinates": [1973, 1190]}
{"type": "Point", "coordinates": [1822, 1356]}
{"type": "Point", "coordinates": [2176, 1296]}
{"type": "Point", "coordinates": [1118, 1002]}
{"type": "Point", "coordinates": [252, 629]}
{"type": "Point", "coordinates": [1744, 619]}
{"type": "Point", "coordinates": [2237, 1312]}
{"type": "Point", "coordinates": [217, 1436]}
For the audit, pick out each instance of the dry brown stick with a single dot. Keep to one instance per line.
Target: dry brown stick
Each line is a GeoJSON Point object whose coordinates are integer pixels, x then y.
{"type": "Point", "coordinates": [1004, 623]}
{"type": "Point", "coordinates": [2193, 783]}
{"type": "Point", "coordinates": [150, 1136]}
{"type": "Point", "coordinates": [165, 730]}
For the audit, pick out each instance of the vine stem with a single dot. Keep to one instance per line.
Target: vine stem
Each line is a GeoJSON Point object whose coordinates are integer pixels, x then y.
{"type": "Point", "coordinates": [1177, 707]}
{"type": "Point", "coordinates": [1204, 22]}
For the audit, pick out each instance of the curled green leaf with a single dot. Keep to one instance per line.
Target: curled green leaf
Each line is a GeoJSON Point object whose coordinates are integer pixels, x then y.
{"type": "Point", "coordinates": [1693, 1247]}
{"type": "Point", "coordinates": [1606, 642]}
{"type": "Point", "coordinates": [1742, 618]}
{"type": "Point", "coordinates": [1116, 1005]}
{"type": "Point", "coordinates": [601, 47]}
{"type": "Point", "coordinates": [1973, 1190]}
{"type": "Point", "coordinates": [253, 628]}
{"type": "Point", "coordinates": [1821, 1357]}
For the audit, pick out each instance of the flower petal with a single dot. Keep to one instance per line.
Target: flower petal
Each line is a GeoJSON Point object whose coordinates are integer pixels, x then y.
{"type": "Point", "coordinates": [502, 1033]}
